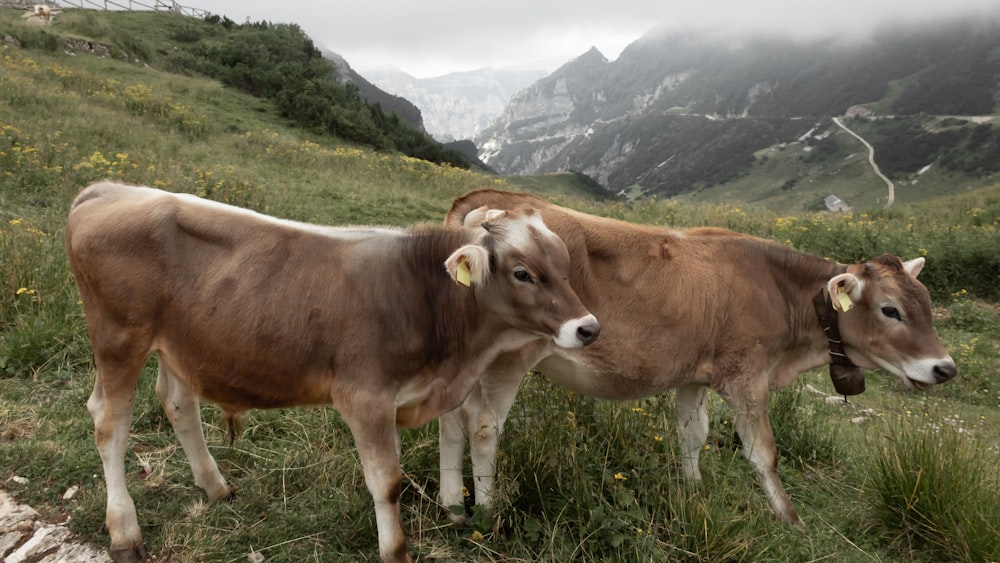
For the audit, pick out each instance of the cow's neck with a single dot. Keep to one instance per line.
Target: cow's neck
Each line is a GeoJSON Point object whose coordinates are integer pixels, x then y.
{"type": "Point", "coordinates": [848, 379]}
{"type": "Point", "coordinates": [802, 278]}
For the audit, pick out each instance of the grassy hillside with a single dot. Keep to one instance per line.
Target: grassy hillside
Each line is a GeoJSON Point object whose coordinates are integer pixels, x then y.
{"type": "Point", "coordinates": [579, 479]}
{"type": "Point", "coordinates": [798, 176]}
{"type": "Point", "coordinates": [273, 61]}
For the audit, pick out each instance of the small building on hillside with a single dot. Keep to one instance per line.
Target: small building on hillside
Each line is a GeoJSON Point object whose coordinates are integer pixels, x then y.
{"type": "Point", "coordinates": [836, 205]}
{"type": "Point", "coordinates": [859, 111]}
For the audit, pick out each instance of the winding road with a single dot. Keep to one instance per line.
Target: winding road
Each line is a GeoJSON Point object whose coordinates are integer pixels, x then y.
{"type": "Point", "coordinates": [871, 160]}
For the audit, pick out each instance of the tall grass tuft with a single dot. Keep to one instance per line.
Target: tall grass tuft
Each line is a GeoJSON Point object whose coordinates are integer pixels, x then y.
{"type": "Point", "coordinates": [933, 488]}
{"type": "Point", "coordinates": [800, 434]}
{"type": "Point", "coordinates": [585, 479]}
{"type": "Point", "coordinates": [40, 324]}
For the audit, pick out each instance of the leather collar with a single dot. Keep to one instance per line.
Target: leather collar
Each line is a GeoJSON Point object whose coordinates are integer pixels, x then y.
{"type": "Point", "coordinates": [848, 379]}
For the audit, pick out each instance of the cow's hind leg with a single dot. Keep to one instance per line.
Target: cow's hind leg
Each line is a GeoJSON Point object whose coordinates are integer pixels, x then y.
{"type": "Point", "coordinates": [499, 390]}
{"type": "Point", "coordinates": [754, 428]}
{"type": "Point", "coordinates": [692, 427]}
{"type": "Point", "coordinates": [110, 405]}
{"type": "Point", "coordinates": [481, 419]}
{"type": "Point", "coordinates": [453, 428]}
{"type": "Point", "coordinates": [182, 408]}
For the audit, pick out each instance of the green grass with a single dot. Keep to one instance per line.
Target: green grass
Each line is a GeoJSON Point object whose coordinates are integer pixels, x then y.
{"type": "Point", "coordinates": [579, 479]}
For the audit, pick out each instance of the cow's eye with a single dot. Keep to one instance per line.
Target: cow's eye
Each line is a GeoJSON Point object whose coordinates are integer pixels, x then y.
{"type": "Point", "coordinates": [891, 312]}
{"type": "Point", "coordinates": [523, 276]}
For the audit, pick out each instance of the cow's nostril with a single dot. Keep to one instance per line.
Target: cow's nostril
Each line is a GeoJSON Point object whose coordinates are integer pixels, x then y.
{"type": "Point", "coordinates": [587, 333]}
{"type": "Point", "coordinates": [945, 371]}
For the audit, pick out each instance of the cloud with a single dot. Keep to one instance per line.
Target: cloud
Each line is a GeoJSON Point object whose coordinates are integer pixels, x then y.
{"type": "Point", "coordinates": [429, 38]}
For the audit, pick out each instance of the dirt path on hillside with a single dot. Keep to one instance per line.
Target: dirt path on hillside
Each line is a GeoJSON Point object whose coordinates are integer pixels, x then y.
{"type": "Point", "coordinates": [871, 160]}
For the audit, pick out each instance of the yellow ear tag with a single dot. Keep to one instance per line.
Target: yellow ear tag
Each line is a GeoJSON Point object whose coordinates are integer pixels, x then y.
{"type": "Point", "coordinates": [463, 275]}
{"type": "Point", "coordinates": [845, 300]}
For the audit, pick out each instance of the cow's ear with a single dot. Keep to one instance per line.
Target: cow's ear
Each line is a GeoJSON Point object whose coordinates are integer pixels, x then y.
{"type": "Point", "coordinates": [845, 290]}
{"type": "Point", "coordinates": [469, 265]}
{"type": "Point", "coordinates": [914, 266]}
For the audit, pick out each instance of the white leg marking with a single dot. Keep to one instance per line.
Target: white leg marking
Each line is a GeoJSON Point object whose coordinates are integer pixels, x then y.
{"type": "Point", "coordinates": [499, 390]}
{"type": "Point", "coordinates": [452, 430]}
{"type": "Point", "coordinates": [692, 427]}
{"type": "Point", "coordinates": [182, 408]}
{"type": "Point", "coordinates": [754, 428]}
{"type": "Point", "coordinates": [378, 441]}
{"type": "Point", "coordinates": [111, 432]}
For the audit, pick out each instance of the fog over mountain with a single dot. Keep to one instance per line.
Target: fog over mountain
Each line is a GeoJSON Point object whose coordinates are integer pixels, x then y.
{"type": "Point", "coordinates": [435, 38]}
{"type": "Point", "coordinates": [459, 105]}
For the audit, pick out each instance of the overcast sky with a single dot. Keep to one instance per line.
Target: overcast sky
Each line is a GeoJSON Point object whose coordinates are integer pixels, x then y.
{"type": "Point", "coordinates": [434, 37]}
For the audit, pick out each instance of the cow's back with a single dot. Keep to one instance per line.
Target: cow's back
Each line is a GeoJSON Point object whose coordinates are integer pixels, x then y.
{"type": "Point", "coordinates": [221, 294]}
{"type": "Point", "coordinates": [695, 296]}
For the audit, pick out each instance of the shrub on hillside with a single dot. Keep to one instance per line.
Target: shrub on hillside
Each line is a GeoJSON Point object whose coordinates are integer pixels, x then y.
{"type": "Point", "coordinates": [280, 63]}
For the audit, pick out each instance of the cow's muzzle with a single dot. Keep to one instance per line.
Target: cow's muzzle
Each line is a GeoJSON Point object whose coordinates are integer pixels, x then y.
{"type": "Point", "coordinates": [945, 370]}
{"type": "Point", "coordinates": [578, 332]}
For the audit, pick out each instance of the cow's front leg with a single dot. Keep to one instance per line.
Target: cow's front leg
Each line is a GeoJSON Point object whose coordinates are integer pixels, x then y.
{"type": "Point", "coordinates": [754, 428]}
{"type": "Point", "coordinates": [692, 428]}
{"type": "Point", "coordinates": [182, 408]}
{"type": "Point", "coordinates": [377, 439]}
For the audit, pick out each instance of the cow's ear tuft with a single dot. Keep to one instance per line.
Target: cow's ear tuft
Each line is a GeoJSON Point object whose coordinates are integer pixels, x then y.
{"type": "Point", "coordinates": [469, 265]}
{"type": "Point", "coordinates": [494, 214]}
{"type": "Point", "coordinates": [475, 217]}
{"type": "Point", "coordinates": [490, 220]}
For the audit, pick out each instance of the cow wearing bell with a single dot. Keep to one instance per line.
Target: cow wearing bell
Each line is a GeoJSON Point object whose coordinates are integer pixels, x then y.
{"type": "Point", "coordinates": [391, 327]}
{"type": "Point", "coordinates": [694, 310]}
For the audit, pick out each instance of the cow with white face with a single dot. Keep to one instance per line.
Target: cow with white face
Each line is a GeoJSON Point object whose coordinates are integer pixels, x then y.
{"type": "Point", "coordinates": [701, 309]}
{"type": "Point", "coordinates": [391, 327]}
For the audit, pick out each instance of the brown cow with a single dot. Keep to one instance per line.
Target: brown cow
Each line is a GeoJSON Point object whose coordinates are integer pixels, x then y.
{"type": "Point", "coordinates": [701, 309]}
{"type": "Point", "coordinates": [250, 311]}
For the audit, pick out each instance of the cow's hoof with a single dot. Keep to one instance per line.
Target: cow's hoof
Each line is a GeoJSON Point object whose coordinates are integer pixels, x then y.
{"type": "Point", "coordinates": [795, 522]}
{"type": "Point", "coordinates": [459, 518]}
{"type": "Point", "coordinates": [129, 555]}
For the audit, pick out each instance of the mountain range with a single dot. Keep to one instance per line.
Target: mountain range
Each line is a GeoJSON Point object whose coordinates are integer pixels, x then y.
{"type": "Point", "coordinates": [682, 112]}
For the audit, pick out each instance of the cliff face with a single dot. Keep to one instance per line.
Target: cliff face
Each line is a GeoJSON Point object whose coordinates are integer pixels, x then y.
{"type": "Point", "coordinates": [374, 95]}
